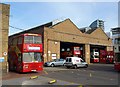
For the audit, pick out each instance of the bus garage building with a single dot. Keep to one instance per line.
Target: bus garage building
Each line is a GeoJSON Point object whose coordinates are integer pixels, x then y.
{"type": "Point", "coordinates": [60, 37]}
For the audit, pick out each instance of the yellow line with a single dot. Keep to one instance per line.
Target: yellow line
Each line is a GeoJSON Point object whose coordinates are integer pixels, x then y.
{"type": "Point", "coordinates": [80, 85]}
{"type": "Point", "coordinates": [45, 72]}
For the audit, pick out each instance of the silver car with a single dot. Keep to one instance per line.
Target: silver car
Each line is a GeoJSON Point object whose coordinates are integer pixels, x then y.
{"type": "Point", "coordinates": [56, 62]}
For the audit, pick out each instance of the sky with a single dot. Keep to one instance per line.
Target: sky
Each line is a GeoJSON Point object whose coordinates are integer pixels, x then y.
{"type": "Point", "coordinates": [26, 15]}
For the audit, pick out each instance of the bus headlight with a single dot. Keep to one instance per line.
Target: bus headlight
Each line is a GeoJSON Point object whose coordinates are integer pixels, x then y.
{"type": "Point", "coordinates": [25, 66]}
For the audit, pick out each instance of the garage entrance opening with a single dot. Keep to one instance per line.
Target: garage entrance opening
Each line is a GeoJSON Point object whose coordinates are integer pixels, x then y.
{"type": "Point", "coordinates": [95, 53]}
{"type": "Point", "coordinates": [71, 49]}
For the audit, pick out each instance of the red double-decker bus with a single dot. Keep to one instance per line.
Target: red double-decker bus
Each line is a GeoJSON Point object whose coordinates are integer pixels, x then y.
{"type": "Point", "coordinates": [110, 57]}
{"type": "Point", "coordinates": [94, 56]}
{"type": "Point", "coordinates": [72, 51]}
{"type": "Point", "coordinates": [76, 51]}
{"type": "Point", "coordinates": [25, 53]}
{"type": "Point", "coordinates": [106, 56]}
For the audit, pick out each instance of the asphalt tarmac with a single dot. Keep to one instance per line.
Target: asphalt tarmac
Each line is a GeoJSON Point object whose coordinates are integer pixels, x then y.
{"type": "Point", "coordinates": [96, 75]}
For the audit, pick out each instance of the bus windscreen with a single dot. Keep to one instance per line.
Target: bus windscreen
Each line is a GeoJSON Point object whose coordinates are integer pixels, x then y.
{"type": "Point", "coordinates": [32, 57]}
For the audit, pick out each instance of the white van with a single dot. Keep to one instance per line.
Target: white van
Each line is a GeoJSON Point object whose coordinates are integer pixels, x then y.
{"type": "Point", "coordinates": [75, 62]}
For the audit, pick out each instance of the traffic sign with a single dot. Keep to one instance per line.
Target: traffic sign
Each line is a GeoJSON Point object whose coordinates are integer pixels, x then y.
{"type": "Point", "coordinates": [1, 59]}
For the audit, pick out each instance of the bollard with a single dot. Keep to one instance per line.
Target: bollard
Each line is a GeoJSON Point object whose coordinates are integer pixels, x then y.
{"type": "Point", "coordinates": [33, 77]}
{"type": "Point", "coordinates": [52, 81]}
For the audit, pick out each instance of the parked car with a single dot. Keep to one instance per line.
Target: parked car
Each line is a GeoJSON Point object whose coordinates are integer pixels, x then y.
{"type": "Point", "coordinates": [75, 62]}
{"type": "Point", "coordinates": [56, 62]}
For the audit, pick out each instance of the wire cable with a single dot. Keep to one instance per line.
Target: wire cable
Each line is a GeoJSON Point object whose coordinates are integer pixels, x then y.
{"type": "Point", "coordinates": [16, 27]}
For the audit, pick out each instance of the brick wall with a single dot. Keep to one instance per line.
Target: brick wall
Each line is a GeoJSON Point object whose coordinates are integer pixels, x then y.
{"type": "Point", "coordinates": [4, 29]}
{"type": "Point", "coordinates": [68, 32]}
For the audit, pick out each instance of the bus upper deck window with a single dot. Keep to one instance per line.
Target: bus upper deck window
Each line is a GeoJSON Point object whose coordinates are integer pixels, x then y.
{"type": "Point", "coordinates": [37, 39]}
{"type": "Point", "coordinates": [28, 39]}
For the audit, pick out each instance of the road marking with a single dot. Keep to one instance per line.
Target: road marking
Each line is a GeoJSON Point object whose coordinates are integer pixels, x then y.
{"type": "Point", "coordinates": [90, 75]}
{"type": "Point", "coordinates": [45, 72]}
{"type": "Point", "coordinates": [80, 86]}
